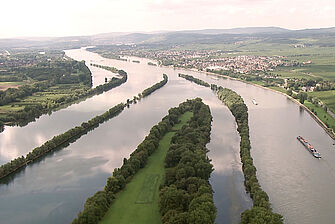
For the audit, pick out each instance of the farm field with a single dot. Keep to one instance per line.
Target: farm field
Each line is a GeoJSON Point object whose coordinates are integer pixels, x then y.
{"type": "Point", "coordinates": [328, 97]}
{"type": "Point", "coordinates": [47, 98]}
{"type": "Point", "coordinates": [6, 85]}
{"type": "Point", "coordinates": [322, 114]}
{"type": "Point", "coordinates": [138, 202]}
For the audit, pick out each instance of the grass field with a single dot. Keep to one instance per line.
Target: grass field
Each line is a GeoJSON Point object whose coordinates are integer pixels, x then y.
{"type": "Point", "coordinates": [53, 94]}
{"type": "Point", "coordinates": [328, 97]}
{"type": "Point", "coordinates": [322, 114]}
{"type": "Point", "coordinates": [138, 202]}
{"type": "Point", "coordinates": [6, 85]}
{"type": "Point", "coordinates": [278, 89]}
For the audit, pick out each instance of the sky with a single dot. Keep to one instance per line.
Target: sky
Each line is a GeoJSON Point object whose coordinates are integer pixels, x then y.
{"type": "Point", "coordinates": [27, 18]}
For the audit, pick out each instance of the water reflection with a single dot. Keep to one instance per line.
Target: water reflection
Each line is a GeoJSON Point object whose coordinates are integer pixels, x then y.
{"type": "Point", "coordinates": [300, 187]}
{"type": "Point", "coordinates": [61, 182]}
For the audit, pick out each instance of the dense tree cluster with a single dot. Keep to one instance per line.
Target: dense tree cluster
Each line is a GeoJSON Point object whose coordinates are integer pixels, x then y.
{"type": "Point", "coordinates": [186, 196]}
{"type": "Point", "coordinates": [111, 69]}
{"type": "Point", "coordinates": [97, 205]}
{"type": "Point", "coordinates": [30, 112]}
{"type": "Point", "coordinates": [158, 85]}
{"type": "Point", "coordinates": [193, 79]}
{"type": "Point", "coordinates": [59, 140]}
{"type": "Point", "coordinates": [267, 78]}
{"type": "Point", "coordinates": [261, 211]}
{"type": "Point", "coordinates": [152, 64]}
{"type": "Point", "coordinates": [46, 75]}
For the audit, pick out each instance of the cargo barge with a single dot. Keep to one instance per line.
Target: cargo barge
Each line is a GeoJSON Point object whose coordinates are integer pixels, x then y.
{"type": "Point", "coordinates": [309, 147]}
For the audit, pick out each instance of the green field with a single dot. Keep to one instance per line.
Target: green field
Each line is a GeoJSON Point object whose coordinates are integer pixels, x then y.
{"type": "Point", "coordinates": [6, 85]}
{"type": "Point", "coordinates": [328, 97]}
{"type": "Point", "coordinates": [322, 114]}
{"type": "Point", "coordinates": [277, 88]}
{"type": "Point", "coordinates": [138, 202]}
{"type": "Point", "coordinates": [53, 94]}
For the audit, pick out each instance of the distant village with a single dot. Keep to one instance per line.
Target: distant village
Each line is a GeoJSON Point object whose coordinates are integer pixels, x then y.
{"type": "Point", "coordinates": [259, 68]}
{"type": "Point", "coordinates": [214, 59]}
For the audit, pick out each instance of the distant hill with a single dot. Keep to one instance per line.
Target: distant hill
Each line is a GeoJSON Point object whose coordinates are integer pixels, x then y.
{"type": "Point", "coordinates": [245, 30]}
{"type": "Point", "coordinates": [325, 36]}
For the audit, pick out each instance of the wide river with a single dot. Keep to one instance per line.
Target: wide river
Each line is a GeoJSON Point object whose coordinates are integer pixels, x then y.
{"type": "Point", "coordinates": [53, 191]}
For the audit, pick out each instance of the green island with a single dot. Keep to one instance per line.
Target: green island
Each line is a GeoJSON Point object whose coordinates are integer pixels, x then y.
{"type": "Point", "coordinates": [164, 158]}
{"type": "Point", "coordinates": [111, 69]}
{"type": "Point", "coordinates": [62, 140]}
{"type": "Point", "coordinates": [151, 63]}
{"type": "Point", "coordinates": [261, 212]}
{"type": "Point", "coordinates": [47, 83]}
{"type": "Point", "coordinates": [140, 196]}
{"type": "Point", "coordinates": [193, 79]}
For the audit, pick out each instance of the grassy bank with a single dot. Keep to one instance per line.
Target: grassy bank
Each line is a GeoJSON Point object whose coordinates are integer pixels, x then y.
{"type": "Point", "coordinates": [138, 203]}
{"type": "Point", "coordinates": [327, 97]}
{"type": "Point", "coordinates": [321, 113]}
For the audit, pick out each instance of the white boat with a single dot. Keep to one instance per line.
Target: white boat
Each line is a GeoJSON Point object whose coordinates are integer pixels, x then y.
{"type": "Point", "coordinates": [254, 102]}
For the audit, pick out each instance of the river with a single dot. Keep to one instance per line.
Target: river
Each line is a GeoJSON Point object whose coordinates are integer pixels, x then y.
{"type": "Point", "coordinates": [54, 190]}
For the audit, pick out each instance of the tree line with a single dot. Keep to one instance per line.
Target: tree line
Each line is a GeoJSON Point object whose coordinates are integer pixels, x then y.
{"type": "Point", "coordinates": [111, 69]}
{"type": "Point", "coordinates": [158, 85]}
{"type": "Point", "coordinates": [186, 195]}
{"type": "Point", "coordinates": [261, 212]}
{"type": "Point", "coordinates": [59, 140]}
{"type": "Point", "coordinates": [96, 206]}
{"type": "Point", "coordinates": [47, 75]}
{"type": "Point", "coordinates": [193, 79]}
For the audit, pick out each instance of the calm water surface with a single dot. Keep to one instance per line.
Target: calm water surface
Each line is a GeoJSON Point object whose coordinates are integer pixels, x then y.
{"type": "Point", "coordinates": [54, 190]}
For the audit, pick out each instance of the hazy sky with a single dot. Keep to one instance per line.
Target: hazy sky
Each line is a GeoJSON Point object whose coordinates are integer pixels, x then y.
{"type": "Point", "coordinates": [82, 17]}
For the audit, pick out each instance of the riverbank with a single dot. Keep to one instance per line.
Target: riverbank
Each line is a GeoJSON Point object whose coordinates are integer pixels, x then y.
{"type": "Point", "coordinates": [329, 131]}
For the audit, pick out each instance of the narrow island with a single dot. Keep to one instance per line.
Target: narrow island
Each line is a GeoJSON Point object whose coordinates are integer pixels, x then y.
{"type": "Point", "coordinates": [60, 141]}
{"type": "Point", "coordinates": [151, 63]}
{"type": "Point", "coordinates": [261, 212]}
{"type": "Point", "coordinates": [165, 180]}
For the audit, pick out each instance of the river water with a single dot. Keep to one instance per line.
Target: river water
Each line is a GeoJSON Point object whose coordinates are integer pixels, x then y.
{"type": "Point", "coordinates": [54, 190]}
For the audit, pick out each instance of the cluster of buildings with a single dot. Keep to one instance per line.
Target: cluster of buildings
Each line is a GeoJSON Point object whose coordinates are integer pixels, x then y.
{"type": "Point", "coordinates": [247, 63]}
{"type": "Point", "coordinates": [214, 59]}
